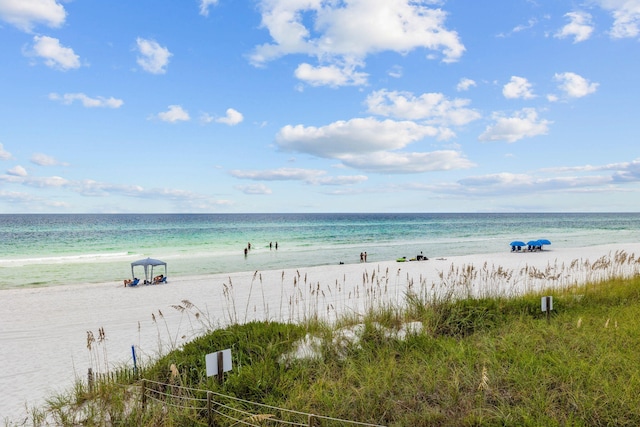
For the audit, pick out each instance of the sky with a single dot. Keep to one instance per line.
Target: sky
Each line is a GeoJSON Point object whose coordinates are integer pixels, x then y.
{"type": "Point", "coordinates": [227, 106]}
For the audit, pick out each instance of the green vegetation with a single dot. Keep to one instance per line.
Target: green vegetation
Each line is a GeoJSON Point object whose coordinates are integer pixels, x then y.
{"type": "Point", "coordinates": [470, 362]}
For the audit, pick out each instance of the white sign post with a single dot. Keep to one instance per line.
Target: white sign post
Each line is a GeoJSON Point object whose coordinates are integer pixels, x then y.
{"type": "Point", "coordinates": [218, 363]}
{"type": "Point", "coordinates": [547, 306]}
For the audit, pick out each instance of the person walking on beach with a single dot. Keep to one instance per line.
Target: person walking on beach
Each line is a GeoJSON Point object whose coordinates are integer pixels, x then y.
{"type": "Point", "coordinates": [365, 256]}
{"type": "Point", "coordinates": [361, 256]}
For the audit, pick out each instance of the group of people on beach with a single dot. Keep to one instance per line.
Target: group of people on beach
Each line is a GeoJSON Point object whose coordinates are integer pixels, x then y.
{"type": "Point", "coordinates": [363, 256]}
{"type": "Point", "coordinates": [156, 281]}
{"type": "Point", "coordinates": [248, 247]}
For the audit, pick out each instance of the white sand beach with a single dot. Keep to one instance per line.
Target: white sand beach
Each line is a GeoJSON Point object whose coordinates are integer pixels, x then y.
{"type": "Point", "coordinates": [43, 331]}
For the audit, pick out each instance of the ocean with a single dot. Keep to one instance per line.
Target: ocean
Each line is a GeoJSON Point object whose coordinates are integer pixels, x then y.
{"type": "Point", "coordinates": [55, 249]}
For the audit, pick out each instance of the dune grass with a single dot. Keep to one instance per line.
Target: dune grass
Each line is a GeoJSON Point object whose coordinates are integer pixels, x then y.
{"type": "Point", "coordinates": [455, 359]}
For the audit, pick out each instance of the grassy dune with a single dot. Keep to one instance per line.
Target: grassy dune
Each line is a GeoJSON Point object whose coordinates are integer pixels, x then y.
{"type": "Point", "coordinates": [432, 362]}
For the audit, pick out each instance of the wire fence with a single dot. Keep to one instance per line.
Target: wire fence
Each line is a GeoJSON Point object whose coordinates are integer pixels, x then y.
{"type": "Point", "coordinates": [217, 410]}
{"type": "Point", "coordinates": [213, 409]}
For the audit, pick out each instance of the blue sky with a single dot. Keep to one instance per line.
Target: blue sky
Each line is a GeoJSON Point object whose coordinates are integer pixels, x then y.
{"type": "Point", "coordinates": [319, 106]}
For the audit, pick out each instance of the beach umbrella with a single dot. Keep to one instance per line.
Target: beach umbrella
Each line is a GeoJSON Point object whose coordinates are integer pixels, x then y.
{"type": "Point", "coordinates": [544, 242]}
{"type": "Point", "coordinates": [517, 243]}
{"type": "Point", "coordinates": [534, 243]}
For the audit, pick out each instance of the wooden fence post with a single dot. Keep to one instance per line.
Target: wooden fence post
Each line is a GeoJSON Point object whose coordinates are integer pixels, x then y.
{"type": "Point", "coordinates": [144, 395]}
{"type": "Point", "coordinates": [90, 380]}
{"type": "Point", "coordinates": [210, 422]}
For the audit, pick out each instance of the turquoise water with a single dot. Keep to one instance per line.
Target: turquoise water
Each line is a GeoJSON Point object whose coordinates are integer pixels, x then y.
{"type": "Point", "coordinates": [49, 250]}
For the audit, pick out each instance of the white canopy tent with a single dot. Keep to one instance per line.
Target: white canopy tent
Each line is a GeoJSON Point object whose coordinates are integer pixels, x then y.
{"type": "Point", "coordinates": [148, 264]}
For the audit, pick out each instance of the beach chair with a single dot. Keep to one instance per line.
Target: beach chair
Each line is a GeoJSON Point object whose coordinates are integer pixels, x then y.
{"type": "Point", "coordinates": [158, 280]}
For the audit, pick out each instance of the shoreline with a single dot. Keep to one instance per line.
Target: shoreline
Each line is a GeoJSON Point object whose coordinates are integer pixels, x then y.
{"type": "Point", "coordinates": [44, 330]}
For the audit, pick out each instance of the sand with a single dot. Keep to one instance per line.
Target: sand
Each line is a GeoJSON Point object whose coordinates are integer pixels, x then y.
{"type": "Point", "coordinates": [44, 331]}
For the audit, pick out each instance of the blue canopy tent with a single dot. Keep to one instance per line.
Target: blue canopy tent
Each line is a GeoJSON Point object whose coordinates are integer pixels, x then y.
{"type": "Point", "coordinates": [516, 245]}
{"type": "Point", "coordinates": [148, 264]}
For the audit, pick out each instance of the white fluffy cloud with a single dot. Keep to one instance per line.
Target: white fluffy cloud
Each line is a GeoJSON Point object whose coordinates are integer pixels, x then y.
{"type": "Point", "coordinates": [432, 108]}
{"type": "Point", "coordinates": [408, 162]}
{"type": "Point", "coordinates": [4, 154]}
{"type": "Point", "coordinates": [153, 58]}
{"type": "Point", "coordinates": [523, 124]}
{"type": "Point", "coordinates": [54, 54]}
{"type": "Point", "coordinates": [41, 159]}
{"type": "Point", "coordinates": [465, 84]}
{"type": "Point", "coordinates": [204, 6]}
{"type": "Point", "coordinates": [330, 75]}
{"type": "Point", "coordinates": [371, 145]}
{"type": "Point", "coordinates": [574, 85]}
{"type": "Point", "coordinates": [626, 17]}
{"type": "Point", "coordinates": [69, 98]}
{"type": "Point", "coordinates": [17, 171]}
{"type": "Point", "coordinates": [174, 114]}
{"type": "Point", "coordinates": [353, 136]}
{"type": "Point", "coordinates": [25, 14]}
{"type": "Point", "coordinates": [342, 33]}
{"type": "Point", "coordinates": [232, 118]}
{"type": "Point", "coordinates": [579, 27]}
{"type": "Point", "coordinates": [518, 87]}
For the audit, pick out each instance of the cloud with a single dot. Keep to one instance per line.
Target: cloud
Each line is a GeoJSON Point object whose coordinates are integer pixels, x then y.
{"type": "Point", "coordinates": [232, 118]}
{"type": "Point", "coordinates": [395, 71]}
{"type": "Point", "coordinates": [17, 171]}
{"type": "Point", "coordinates": [626, 17]}
{"type": "Point", "coordinates": [465, 84]}
{"type": "Point", "coordinates": [407, 163]}
{"type": "Point", "coordinates": [627, 172]}
{"type": "Point", "coordinates": [432, 108]}
{"type": "Point", "coordinates": [524, 123]}
{"type": "Point", "coordinates": [153, 58]}
{"type": "Point", "coordinates": [371, 145]}
{"type": "Point", "coordinates": [282, 174]}
{"type": "Point", "coordinates": [4, 154]}
{"type": "Point", "coordinates": [174, 114]}
{"type": "Point", "coordinates": [347, 32]}
{"type": "Point", "coordinates": [36, 182]}
{"type": "Point", "coordinates": [505, 183]}
{"type": "Point", "coordinates": [41, 159]}
{"type": "Point", "coordinates": [69, 98]}
{"type": "Point", "coordinates": [518, 87]}
{"type": "Point", "coordinates": [574, 85]}
{"type": "Point", "coordinates": [579, 27]}
{"type": "Point", "coordinates": [54, 54]}
{"type": "Point", "coordinates": [25, 14]}
{"type": "Point", "coordinates": [508, 183]}
{"type": "Point", "coordinates": [91, 188]}
{"type": "Point", "coordinates": [254, 189]}
{"type": "Point", "coordinates": [353, 136]}
{"type": "Point", "coordinates": [309, 176]}
{"type": "Point", "coordinates": [330, 75]}
{"type": "Point", "coordinates": [204, 6]}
